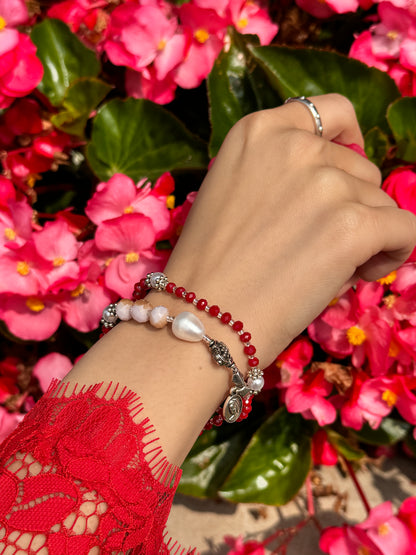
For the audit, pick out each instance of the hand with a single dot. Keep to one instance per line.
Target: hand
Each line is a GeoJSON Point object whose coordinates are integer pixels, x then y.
{"type": "Point", "coordinates": [284, 219]}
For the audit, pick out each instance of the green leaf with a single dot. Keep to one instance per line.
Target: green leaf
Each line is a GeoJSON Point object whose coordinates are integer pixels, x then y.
{"type": "Point", "coordinates": [275, 463]}
{"type": "Point", "coordinates": [64, 58]}
{"type": "Point", "coordinates": [402, 119]}
{"type": "Point", "coordinates": [81, 98]}
{"type": "Point", "coordinates": [344, 446]}
{"type": "Point", "coordinates": [141, 139]}
{"type": "Point", "coordinates": [212, 458]}
{"type": "Point", "coordinates": [309, 72]}
{"type": "Point", "coordinates": [236, 86]}
{"type": "Point", "coordinates": [376, 145]}
{"type": "Point", "coordinates": [390, 431]}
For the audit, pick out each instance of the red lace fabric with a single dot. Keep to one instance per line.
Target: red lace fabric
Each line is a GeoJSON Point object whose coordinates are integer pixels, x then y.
{"type": "Point", "coordinates": [84, 474]}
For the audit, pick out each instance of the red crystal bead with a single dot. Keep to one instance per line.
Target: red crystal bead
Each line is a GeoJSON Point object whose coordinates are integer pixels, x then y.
{"type": "Point", "coordinates": [105, 330]}
{"type": "Point", "coordinates": [190, 297]}
{"type": "Point", "coordinates": [253, 362]}
{"type": "Point", "coordinates": [214, 310]}
{"type": "Point", "coordinates": [217, 420]}
{"type": "Point", "coordinates": [137, 287]}
{"type": "Point", "coordinates": [201, 304]}
{"type": "Point", "coordinates": [249, 349]}
{"type": "Point", "coordinates": [238, 326]}
{"type": "Point", "coordinates": [170, 287]}
{"type": "Point", "coordinates": [226, 317]}
{"type": "Point", "coordinates": [245, 337]}
{"type": "Point", "coordinates": [179, 291]}
{"type": "Point", "coordinates": [143, 284]}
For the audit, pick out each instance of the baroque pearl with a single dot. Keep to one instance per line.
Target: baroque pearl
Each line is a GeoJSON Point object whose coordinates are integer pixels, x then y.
{"type": "Point", "coordinates": [255, 383]}
{"type": "Point", "coordinates": [188, 327]}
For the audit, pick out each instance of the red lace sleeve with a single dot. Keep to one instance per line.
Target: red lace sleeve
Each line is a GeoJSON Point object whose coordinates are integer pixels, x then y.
{"type": "Point", "coordinates": [84, 474]}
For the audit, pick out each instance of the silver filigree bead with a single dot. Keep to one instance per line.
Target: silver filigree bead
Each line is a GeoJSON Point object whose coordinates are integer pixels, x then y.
{"type": "Point", "coordinates": [255, 373]}
{"type": "Point", "coordinates": [220, 353]}
{"type": "Point", "coordinates": [157, 281]}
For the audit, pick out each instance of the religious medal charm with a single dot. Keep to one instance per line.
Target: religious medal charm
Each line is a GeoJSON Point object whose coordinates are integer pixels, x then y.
{"type": "Point", "coordinates": [232, 408]}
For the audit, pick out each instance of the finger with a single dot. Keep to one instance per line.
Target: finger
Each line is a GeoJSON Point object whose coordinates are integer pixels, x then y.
{"type": "Point", "coordinates": [392, 241]}
{"type": "Point", "coordinates": [337, 115]}
{"type": "Point", "coordinates": [346, 159]}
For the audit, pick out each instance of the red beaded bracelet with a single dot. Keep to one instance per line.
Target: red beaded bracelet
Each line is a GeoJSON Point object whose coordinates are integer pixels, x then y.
{"type": "Point", "coordinates": [159, 282]}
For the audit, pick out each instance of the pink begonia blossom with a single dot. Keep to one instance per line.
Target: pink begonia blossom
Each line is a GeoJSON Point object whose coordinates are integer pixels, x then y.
{"type": "Point", "coordinates": [352, 415]}
{"type": "Point", "coordinates": [207, 29]}
{"type": "Point", "coordinates": [8, 388]}
{"type": "Point", "coordinates": [82, 307]}
{"type": "Point", "coordinates": [290, 364]}
{"type": "Point", "coordinates": [13, 12]}
{"type": "Point", "coordinates": [20, 69]}
{"type": "Point", "coordinates": [145, 85]}
{"type": "Point", "coordinates": [7, 192]}
{"type": "Point", "coordinates": [407, 514]}
{"type": "Point", "coordinates": [52, 365]}
{"type": "Point", "coordinates": [24, 117]}
{"type": "Point", "coordinates": [15, 225]}
{"type": "Point", "coordinates": [58, 245]}
{"type": "Point", "coordinates": [130, 240]}
{"type": "Point", "coordinates": [249, 18]}
{"type": "Point", "coordinates": [323, 452]}
{"type": "Point", "coordinates": [8, 422]}
{"type": "Point", "coordinates": [308, 397]}
{"type": "Point", "coordinates": [85, 17]}
{"type": "Point", "coordinates": [119, 195]}
{"type": "Point", "coordinates": [241, 547]}
{"type": "Point", "coordinates": [140, 35]}
{"type": "Point", "coordinates": [24, 271]}
{"type": "Point", "coordinates": [33, 318]}
{"type": "Point", "coordinates": [326, 8]}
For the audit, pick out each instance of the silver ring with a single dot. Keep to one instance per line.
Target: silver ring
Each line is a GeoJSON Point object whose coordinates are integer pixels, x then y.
{"type": "Point", "coordinates": [312, 108]}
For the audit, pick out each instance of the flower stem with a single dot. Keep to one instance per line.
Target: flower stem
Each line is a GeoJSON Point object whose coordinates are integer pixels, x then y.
{"type": "Point", "coordinates": [357, 485]}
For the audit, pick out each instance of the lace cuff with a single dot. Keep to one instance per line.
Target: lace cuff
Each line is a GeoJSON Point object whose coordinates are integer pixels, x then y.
{"type": "Point", "coordinates": [83, 473]}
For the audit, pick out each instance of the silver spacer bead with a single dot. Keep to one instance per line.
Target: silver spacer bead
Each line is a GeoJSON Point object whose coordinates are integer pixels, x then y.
{"type": "Point", "coordinates": [109, 317]}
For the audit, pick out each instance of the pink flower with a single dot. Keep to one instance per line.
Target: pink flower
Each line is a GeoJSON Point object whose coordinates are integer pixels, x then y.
{"type": "Point", "coordinates": [53, 365]}
{"type": "Point", "coordinates": [129, 241]}
{"type": "Point", "coordinates": [13, 12]}
{"type": "Point", "coordinates": [326, 8]}
{"type": "Point", "coordinates": [249, 18]}
{"type": "Point", "coordinates": [308, 397]}
{"type": "Point", "coordinates": [241, 547]}
{"type": "Point", "coordinates": [347, 540]}
{"type": "Point", "coordinates": [58, 245]}
{"type": "Point", "coordinates": [407, 514]}
{"type": "Point", "coordinates": [207, 29]}
{"type": "Point", "coordinates": [24, 117]}
{"type": "Point", "coordinates": [323, 452]}
{"type": "Point", "coordinates": [290, 364]}
{"type": "Point", "coordinates": [144, 84]}
{"type": "Point", "coordinates": [119, 195]}
{"type": "Point", "coordinates": [20, 69]}
{"type": "Point", "coordinates": [15, 224]}
{"type": "Point", "coordinates": [33, 318]}
{"type": "Point", "coordinates": [141, 35]}
{"type": "Point", "coordinates": [23, 271]}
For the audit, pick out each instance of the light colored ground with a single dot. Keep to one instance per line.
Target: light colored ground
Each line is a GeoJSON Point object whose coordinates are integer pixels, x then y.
{"type": "Point", "coordinates": [203, 523]}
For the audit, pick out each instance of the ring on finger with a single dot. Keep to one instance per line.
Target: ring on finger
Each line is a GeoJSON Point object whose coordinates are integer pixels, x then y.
{"type": "Point", "coordinates": [312, 109]}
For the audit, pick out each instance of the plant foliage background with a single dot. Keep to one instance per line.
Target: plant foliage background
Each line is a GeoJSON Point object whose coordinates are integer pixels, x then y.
{"type": "Point", "coordinates": [111, 112]}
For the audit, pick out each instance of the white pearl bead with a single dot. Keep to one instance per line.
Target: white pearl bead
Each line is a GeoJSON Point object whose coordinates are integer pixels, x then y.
{"type": "Point", "coordinates": [256, 383]}
{"type": "Point", "coordinates": [159, 316]}
{"type": "Point", "coordinates": [140, 311]}
{"type": "Point", "coordinates": [188, 327]}
{"type": "Point", "coordinates": [123, 309]}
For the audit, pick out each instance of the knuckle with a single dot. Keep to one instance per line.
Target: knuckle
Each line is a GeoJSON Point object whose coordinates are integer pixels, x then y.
{"type": "Point", "coordinates": [344, 102]}
{"type": "Point", "coordinates": [349, 221]}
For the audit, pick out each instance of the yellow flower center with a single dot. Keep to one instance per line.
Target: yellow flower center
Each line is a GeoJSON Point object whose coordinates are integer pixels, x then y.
{"type": "Point", "coordinates": [58, 261]}
{"type": "Point", "coordinates": [356, 336]}
{"type": "Point", "coordinates": [34, 304]}
{"type": "Point", "coordinates": [334, 301]}
{"type": "Point", "coordinates": [394, 349]}
{"type": "Point", "coordinates": [162, 44]}
{"type": "Point", "coordinates": [78, 290]}
{"type": "Point", "coordinates": [392, 35]}
{"type": "Point", "coordinates": [170, 201]}
{"type": "Point", "coordinates": [389, 397]}
{"type": "Point", "coordinates": [383, 529]}
{"type": "Point", "coordinates": [363, 550]}
{"type": "Point", "coordinates": [2, 23]}
{"type": "Point", "coordinates": [132, 257]}
{"type": "Point", "coordinates": [201, 35]}
{"type": "Point", "coordinates": [389, 300]}
{"type": "Point", "coordinates": [388, 280]}
{"type": "Point", "coordinates": [242, 23]}
{"type": "Point", "coordinates": [108, 261]}
{"type": "Point", "coordinates": [22, 268]}
{"type": "Point", "coordinates": [31, 180]}
{"type": "Point", "coordinates": [10, 234]}
{"type": "Point", "coordinates": [129, 210]}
